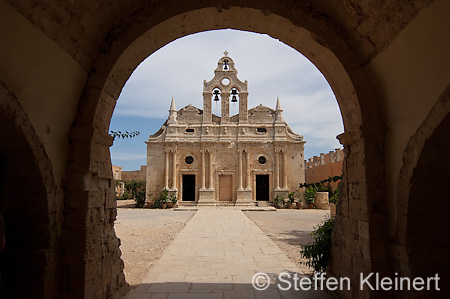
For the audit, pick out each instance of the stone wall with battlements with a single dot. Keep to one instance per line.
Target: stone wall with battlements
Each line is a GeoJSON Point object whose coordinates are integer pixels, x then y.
{"type": "Point", "coordinates": [324, 166]}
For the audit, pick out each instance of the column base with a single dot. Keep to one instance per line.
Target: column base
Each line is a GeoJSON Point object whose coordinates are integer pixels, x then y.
{"type": "Point", "coordinates": [244, 198]}
{"type": "Point", "coordinates": [206, 198]}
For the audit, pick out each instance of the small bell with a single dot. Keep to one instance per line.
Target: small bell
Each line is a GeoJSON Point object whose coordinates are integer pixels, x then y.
{"type": "Point", "coordinates": [216, 95]}
{"type": "Point", "coordinates": [234, 93]}
{"type": "Point", "coordinates": [225, 64]}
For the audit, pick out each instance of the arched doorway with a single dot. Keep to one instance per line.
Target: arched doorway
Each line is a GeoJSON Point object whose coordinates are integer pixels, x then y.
{"type": "Point", "coordinates": [27, 203]}
{"type": "Point", "coordinates": [363, 205]}
{"type": "Point", "coordinates": [420, 248]}
{"type": "Point", "coordinates": [427, 242]}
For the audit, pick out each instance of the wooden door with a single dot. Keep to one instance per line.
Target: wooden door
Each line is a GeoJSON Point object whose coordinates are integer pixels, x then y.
{"type": "Point", "coordinates": [225, 187]}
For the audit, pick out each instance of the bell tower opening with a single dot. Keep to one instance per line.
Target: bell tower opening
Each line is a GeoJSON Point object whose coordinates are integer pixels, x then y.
{"type": "Point", "coordinates": [227, 89]}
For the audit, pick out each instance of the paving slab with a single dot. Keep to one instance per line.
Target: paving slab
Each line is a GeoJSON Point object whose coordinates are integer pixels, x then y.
{"type": "Point", "coordinates": [216, 255]}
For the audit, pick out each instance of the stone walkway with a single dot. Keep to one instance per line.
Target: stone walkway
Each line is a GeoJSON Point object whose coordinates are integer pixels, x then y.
{"type": "Point", "coordinates": [216, 256]}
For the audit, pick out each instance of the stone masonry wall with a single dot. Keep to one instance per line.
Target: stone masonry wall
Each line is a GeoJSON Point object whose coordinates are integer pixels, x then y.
{"type": "Point", "coordinates": [138, 175]}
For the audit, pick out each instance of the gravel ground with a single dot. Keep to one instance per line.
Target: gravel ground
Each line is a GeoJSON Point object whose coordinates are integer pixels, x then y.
{"type": "Point", "coordinates": [290, 229]}
{"type": "Point", "coordinates": [144, 234]}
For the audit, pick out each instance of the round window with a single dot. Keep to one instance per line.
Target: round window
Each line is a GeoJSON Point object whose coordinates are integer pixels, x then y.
{"type": "Point", "coordinates": [189, 160]}
{"type": "Point", "coordinates": [262, 160]}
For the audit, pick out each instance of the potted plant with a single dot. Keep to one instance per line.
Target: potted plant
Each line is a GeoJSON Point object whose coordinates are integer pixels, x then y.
{"type": "Point", "coordinates": [291, 200]}
{"type": "Point", "coordinates": [310, 196]}
{"type": "Point", "coordinates": [174, 200]}
{"type": "Point", "coordinates": [279, 201]}
{"type": "Point", "coordinates": [164, 198]}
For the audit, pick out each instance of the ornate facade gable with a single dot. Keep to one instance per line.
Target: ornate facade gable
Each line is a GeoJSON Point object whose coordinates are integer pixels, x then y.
{"type": "Point", "coordinates": [261, 114]}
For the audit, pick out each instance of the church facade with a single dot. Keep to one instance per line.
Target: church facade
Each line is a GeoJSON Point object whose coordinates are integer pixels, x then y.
{"type": "Point", "coordinates": [231, 160]}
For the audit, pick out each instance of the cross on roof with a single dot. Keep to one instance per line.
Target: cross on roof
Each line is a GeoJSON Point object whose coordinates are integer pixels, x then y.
{"type": "Point", "coordinates": [226, 53]}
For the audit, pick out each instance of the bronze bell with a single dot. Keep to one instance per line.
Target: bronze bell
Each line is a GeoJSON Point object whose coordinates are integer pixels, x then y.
{"type": "Point", "coordinates": [234, 93]}
{"type": "Point", "coordinates": [216, 95]}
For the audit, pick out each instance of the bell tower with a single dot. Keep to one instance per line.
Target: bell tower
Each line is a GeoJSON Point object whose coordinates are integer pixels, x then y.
{"type": "Point", "coordinates": [225, 87]}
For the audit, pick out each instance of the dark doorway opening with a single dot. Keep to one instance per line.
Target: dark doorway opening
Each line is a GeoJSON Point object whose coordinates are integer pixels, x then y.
{"type": "Point", "coordinates": [262, 187]}
{"type": "Point", "coordinates": [188, 187]}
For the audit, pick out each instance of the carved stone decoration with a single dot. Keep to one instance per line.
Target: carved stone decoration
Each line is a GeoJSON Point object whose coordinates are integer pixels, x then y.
{"type": "Point", "coordinates": [225, 162]}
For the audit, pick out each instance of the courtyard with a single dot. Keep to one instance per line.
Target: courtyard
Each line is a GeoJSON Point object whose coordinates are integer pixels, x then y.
{"type": "Point", "coordinates": [217, 251]}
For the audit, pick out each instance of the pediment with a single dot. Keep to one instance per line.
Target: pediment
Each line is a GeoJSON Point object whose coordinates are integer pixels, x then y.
{"type": "Point", "coordinates": [261, 113]}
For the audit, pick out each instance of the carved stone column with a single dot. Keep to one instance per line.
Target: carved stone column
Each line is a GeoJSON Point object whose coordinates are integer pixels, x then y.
{"type": "Point", "coordinates": [225, 107]}
{"type": "Point", "coordinates": [277, 171]}
{"type": "Point", "coordinates": [240, 170]}
{"type": "Point", "coordinates": [211, 185]}
{"type": "Point", "coordinates": [247, 166]}
{"type": "Point", "coordinates": [207, 115]}
{"type": "Point", "coordinates": [244, 196]}
{"type": "Point", "coordinates": [206, 195]}
{"type": "Point", "coordinates": [174, 170]}
{"type": "Point", "coordinates": [203, 170]}
{"type": "Point", "coordinates": [166, 170]}
{"type": "Point", "coordinates": [284, 170]}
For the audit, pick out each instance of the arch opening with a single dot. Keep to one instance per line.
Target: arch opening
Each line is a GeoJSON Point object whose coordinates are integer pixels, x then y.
{"type": "Point", "coordinates": [29, 257]}
{"type": "Point", "coordinates": [357, 101]}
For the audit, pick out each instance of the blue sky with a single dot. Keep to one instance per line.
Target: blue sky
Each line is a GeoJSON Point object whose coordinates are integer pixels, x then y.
{"type": "Point", "coordinates": [178, 70]}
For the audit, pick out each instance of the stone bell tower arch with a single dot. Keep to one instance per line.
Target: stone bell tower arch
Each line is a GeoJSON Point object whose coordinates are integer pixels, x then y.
{"type": "Point", "coordinates": [225, 87]}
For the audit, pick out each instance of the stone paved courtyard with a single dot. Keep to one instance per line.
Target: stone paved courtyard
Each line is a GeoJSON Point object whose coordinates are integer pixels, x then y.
{"type": "Point", "coordinates": [215, 256]}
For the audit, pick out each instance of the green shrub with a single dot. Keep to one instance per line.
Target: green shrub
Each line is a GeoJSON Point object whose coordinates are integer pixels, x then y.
{"type": "Point", "coordinates": [173, 199]}
{"type": "Point", "coordinates": [163, 198]}
{"type": "Point", "coordinates": [140, 199]}
{"type": "Point", "coordinates": [310, 195]}
{"type": "Point", "coordinates": [125, 195]}
{"type": "Point", "coordinates": [318, 252]}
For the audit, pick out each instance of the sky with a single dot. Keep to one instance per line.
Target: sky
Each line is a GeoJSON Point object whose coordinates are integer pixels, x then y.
{"type": "Point", "coordinates": [178, 70]}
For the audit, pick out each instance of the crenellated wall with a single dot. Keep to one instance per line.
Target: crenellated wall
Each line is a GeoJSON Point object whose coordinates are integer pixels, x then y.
{"type": "Point", "coordinates": [322, 167]}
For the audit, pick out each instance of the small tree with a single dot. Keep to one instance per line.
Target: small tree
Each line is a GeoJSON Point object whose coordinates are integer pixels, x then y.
{"type": "Point", "coordinates": [318, 252]}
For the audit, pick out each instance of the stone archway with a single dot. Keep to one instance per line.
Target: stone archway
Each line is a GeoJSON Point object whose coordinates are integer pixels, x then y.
{"type": "Point", "coordinates": [423, 202]}
{"type": "Point", "coordinates": [362, 206]}
{"type": "Point", "coordinates": [29, 261]}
